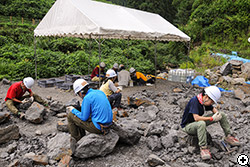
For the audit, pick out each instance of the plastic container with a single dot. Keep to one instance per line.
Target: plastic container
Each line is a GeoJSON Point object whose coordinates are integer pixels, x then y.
{"type": "Point", "coordinates": [181, 75]}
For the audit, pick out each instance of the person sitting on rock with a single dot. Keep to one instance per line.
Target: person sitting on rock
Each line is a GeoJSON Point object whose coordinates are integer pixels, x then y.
{"type": "Point", "coordinates": [194, 123]}
{"type": "Point", "coordinates": [95, 111]}
{"type": "Point", "coordinates": [139, 78]}
{"type": "Point", "coordinates": [98, 73]}
{"type": "Point", "coordinates": [123, 76]}
{"type": "Point", "coordinates": [110, 90]}
{"type": "Point", "coordinates": [15, 96]}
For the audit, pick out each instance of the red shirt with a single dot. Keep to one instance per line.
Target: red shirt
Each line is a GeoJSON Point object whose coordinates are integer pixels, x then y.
{"type": "Point", "coordinates": [95, 72]}
{"type": "Point", "coordinates": [16, 91]}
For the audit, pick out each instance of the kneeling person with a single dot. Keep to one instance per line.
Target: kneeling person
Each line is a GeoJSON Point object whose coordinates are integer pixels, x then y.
{"type": "Point", "coordinates": [110, 90]}
{"type": "Point", "coordinates": [15, 95]}
{"type": "Point", "coordinates": [194, 123]}
{"type": "Point", "coordinates": [95, 111]}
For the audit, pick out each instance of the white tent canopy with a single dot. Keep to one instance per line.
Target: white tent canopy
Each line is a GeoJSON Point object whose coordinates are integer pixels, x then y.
{"type": "Point", "coordinates": [91, 19]}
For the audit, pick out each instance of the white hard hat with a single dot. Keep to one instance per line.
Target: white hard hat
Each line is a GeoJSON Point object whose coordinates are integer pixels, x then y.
{"type": "Point", "coordinates": [79, 84]}
{"type": "Point", "coordinates": [115, 66]}
{"type": "Point", "coordinates": [111, 73]}
{"type": "Point", "coordinates": [213, 92]}
{"type": "Point", "coordinates": [131, 70]}
{"type": "Point", "coordinates": [102, 64]}
{"type": "Point", "coordinates": [28, 82]}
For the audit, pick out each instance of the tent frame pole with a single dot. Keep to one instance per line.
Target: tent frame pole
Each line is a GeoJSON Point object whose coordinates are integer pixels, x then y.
{"type": "Point", "coordinates": [90, 53]}
{"type": "Point", "coordinates": [187, 44]}
{"type": "Point", "coordinates": [99, 46]}
{"type": "Point", "coordinates": [35, 58]}
{"type": "Point", "coordinates": [127, 53]}
{"type": "Point", "coordinates": [155, 51]}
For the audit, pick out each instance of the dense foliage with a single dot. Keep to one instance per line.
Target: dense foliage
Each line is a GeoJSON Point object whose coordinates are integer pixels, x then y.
{"type": "Point", "coordinates": [25, 8]}
{"type": "Point", "coordinates": [214, 26]}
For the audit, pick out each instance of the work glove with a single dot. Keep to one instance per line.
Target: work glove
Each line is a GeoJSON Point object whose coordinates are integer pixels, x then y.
{"type": "Point", "coordinates": [25, 101]}
{"type": "Point", "coordinates": [217, 116]}
{"type": "Point", "coordinates": [31, 99]}
{"type": "Point", "coordinates": [120, 87]}
{"type": "Point", "coordinates": [69, 109]}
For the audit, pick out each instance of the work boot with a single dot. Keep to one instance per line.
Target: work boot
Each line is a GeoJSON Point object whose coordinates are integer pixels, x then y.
{"type": "Point", "coordinates": [205, 153]}
{"type": "Point", "coordinates": [232, 140]}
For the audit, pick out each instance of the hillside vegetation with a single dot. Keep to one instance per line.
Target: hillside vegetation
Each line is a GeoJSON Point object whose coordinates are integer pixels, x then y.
{"type": "Point", "coordinates": [214, 26]}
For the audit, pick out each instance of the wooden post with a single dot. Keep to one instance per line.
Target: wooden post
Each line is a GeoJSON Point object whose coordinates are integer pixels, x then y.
{"type": "Point", "coordinates": [11, 19]}
{"type": "Point", "coordinates": [33, 21]}
{"type": "Point", "coordinates": [22, 20]}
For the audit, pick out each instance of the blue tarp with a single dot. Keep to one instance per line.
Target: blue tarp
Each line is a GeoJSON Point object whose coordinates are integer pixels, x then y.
{"type": "Point", "coordinates": [233, 57]}
{"type": "Point", "coordinates": [201, 81]}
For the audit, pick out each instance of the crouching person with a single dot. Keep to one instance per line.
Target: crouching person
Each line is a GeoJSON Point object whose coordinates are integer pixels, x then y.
{"type": "Point", "coordinates": [194, 123]}
{"type": "Point", "coordinates": [95, 111]}
{"type": "Point", "coordinates": [15, 96]}
{"type": "Point", "coordinates": [110, 90]}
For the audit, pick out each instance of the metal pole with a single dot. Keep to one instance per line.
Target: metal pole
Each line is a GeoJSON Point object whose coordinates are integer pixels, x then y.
{"type": "Point", "coordinates": [99, 46]}
{"type": "Point", "coordinates": [127, 54]}
{"type": "Point", "coordinates": [90, 54]}
{"type": "Point", "coordinates": [35, 58]}
{"type": "Point", "coordinates": [188, 46]}
{"type": "Point", "coordinates": [155, 59]}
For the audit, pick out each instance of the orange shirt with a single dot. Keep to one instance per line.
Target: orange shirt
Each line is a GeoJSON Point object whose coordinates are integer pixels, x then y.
{"type": "Point", "coordinates": [140, 75]}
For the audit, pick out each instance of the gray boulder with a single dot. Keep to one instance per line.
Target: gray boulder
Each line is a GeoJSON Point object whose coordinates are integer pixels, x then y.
{"type": "Point", "coordinates": [4, 117]}
{"type": "Point", "coordinates": [226, 69]}
{"type": "Point", "coordinates": [154, 143]}
{"type": "Point", "coordinates": [127, 130]}
{"type": "Point", "coordinates": [59, 146]}
{"type": "Point", "coordinates": [8, 133]}
{"type": "Point", "coordinates": [154, 160]}
{"type": "Point", "coordinates": [245, 69]}
{"type": "Point", "coordinates": [57, 106]}
{"type": "Point", "coordinates": [94, 145]}
{"type": "Point", "coordinates": [155, 128]}
{"type": "Point", "coordinates": [35, 113]}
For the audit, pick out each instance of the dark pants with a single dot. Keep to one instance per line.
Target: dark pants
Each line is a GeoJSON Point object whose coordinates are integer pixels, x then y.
{"type": "Point", "coordinates": [77, 127]}
{"type": "Point", "coordinates": [151, 80]}
{"type": "Point", "coordinates": [139, 82]}
{"type": "Point", "coordinates": [115, 100]}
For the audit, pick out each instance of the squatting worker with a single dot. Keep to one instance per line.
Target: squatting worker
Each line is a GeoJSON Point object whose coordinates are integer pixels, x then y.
{"type": "Point", "coordinates": [123, 77]}
{"type": "Point", "coordinates": [139, 78]}
{"type": "Point", "coordinates": [95, 111]}
{"type": "Point", "coordinates": [15, 95]}
{"type": "Point", "coordinates": [111, 91]}
{"type": "Point", "coordinates": [98, 70]}
{"type": "Point", "coordinates": [194, 123]}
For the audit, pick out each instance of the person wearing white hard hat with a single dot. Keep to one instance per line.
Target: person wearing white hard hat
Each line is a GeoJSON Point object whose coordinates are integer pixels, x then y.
{"type": "Point", "coordinates": [95, 111]}
{"type": "Point", "coordinates": [15, 96]}
{"type": "Point", "coordinates": [139, 78]}
{"type": "Point", "coordinates": [194, 123]}
{"type": "Point", "coordinates": [111, 91]}
{"type": "Point", "coordinates": [98, 73]}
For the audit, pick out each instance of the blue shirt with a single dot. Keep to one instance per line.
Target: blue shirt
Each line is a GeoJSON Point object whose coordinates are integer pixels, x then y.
{"type": "Point", "coordinates": [193, 107]}
{"type": "Point", "coordinates": [95, 104]}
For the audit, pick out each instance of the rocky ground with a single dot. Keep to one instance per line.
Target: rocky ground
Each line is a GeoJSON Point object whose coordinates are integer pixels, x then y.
{"type": "Point", "coordinates": [161, 142]}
